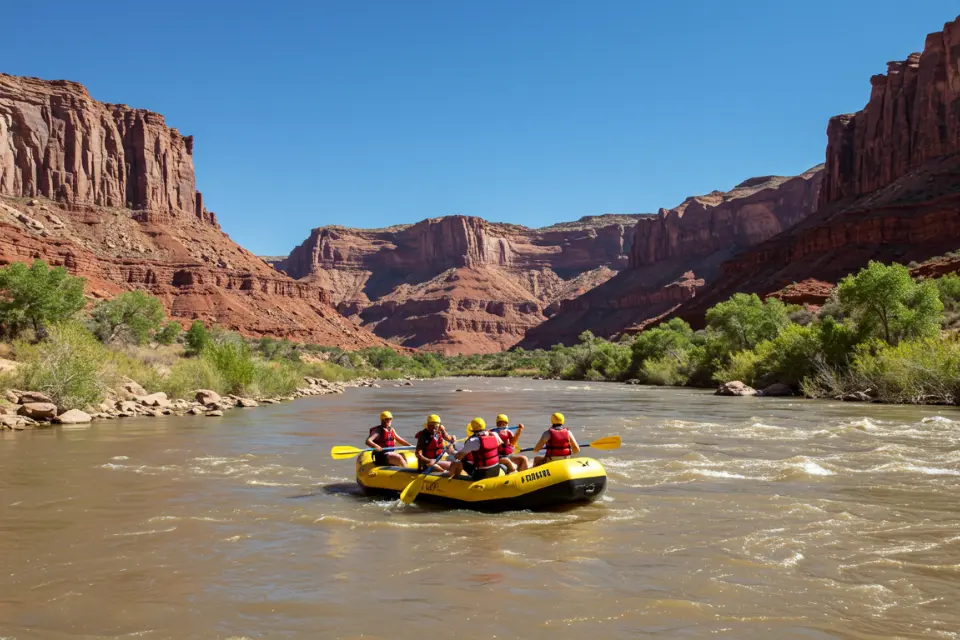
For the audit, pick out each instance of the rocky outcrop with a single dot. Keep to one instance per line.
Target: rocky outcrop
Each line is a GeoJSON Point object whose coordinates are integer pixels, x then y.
{"type": "Point", "coordinates": [891, 189]}
{"type": "Point", "coordinates": [460, 284]}
{"type": "Point", "coordinates": [678, 252]}
{"type": "Point", "coordinates": [109, 193]}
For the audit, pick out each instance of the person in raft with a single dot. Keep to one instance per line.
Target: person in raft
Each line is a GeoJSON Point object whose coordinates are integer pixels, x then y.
{"type": "Point", "coordinates": [481, 451]}
{"type": "Point", "coordinates": [431, 442]}
{"type": "Point", "coordinates": [384, 437]}
{"type": "Point", "coordinates": [508, 458]}
{"type": "Point", "coordinates": [559, 442]}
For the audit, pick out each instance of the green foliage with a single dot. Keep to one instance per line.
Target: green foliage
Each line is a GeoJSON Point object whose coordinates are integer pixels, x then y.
{"type": "Point", "coordinates": [745, 320]}
{"type": "Point", "coordinates": [190, 374]}
{"type": "Point", "coordinates": [949, 289]}
{"type": "Point", "coordinates": [37, 296]}
{"type": "Point", "coordinates": [272, 349]}
{"type": "Point", "coordinates": [668, 370]}
{"type": "Point", "coordinates": [742, 366]}
{"type": "Point", "coordinates": [196, 339]}
{"type": "Point", "coordinates": [71, 367]}
{"type": "Point", "coordinates": [130, 318]}
{"type": "Point", "coordinates": [275, 378]}
{"type": "Point", "coordinates": [169, 333]}
{"type": "Point", "coordinates": [790, 357]}
{"type": "Point", "coordinates": [883, 301]}
{"type": "Point", "coordinates": [671, 340]}
{"type": "Point", "coordinates": [925, 371]}
{"type": "Point", "coordinates": [233, 361]}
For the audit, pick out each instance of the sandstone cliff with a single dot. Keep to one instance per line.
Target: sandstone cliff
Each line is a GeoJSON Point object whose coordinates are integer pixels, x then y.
{"type": "Point", "coordinates": [891, 188]}
{"type": "Point", "coordinates": [460, 284]}
{"type": "Point", "coordinates": [110, 193]}
{"type": "Point", "coordinates": [679, 252]}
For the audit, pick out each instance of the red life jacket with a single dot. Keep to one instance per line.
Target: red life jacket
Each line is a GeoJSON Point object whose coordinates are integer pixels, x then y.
{"type": "Point", "coordinates": [434, 444]}
{"type": "Point", "coordinates": [488, 455]}
{"type": "Point", "coordinates": [559, 443]}
{"type": "Point", "coordinates": [385, 438]}
{"type": "Point", "coordinates": [506, 435]}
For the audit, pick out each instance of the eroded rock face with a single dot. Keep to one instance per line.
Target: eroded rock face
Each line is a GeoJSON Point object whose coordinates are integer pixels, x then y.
{"type": "Point", "coordinates": [679, 252]}
{"type": "Point", "coordinates": [109, 193]}
{"type": "Point", "coordinates": [460, 284]}
{"type": "Point", "coordinates": [891, 189]}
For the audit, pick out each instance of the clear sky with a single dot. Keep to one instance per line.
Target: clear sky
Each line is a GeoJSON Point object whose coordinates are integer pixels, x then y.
{"type": "Point", "coordinates": [375, 112]}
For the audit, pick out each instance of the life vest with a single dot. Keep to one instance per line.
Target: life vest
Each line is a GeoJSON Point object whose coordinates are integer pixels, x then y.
{"type": "Point", "coordinates": [385, 438]}
{"type": "Point", "coordinates": [506, 436]}
{"type": "Point", "coordinates": [434, 444]}
{"type": "Point", "coordinates": [558, 445]}
{"type": "Point", "coordinates": [488, 455]}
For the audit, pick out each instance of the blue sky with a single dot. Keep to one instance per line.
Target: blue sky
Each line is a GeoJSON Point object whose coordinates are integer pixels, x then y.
{"type": "Point", "coordinates": [368, 113]}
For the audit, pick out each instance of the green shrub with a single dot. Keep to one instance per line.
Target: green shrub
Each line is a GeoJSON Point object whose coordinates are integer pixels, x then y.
{"type": "Point", "coordinates": [923, 371]}
{"type": "Point", "coordinates": [744, 320]}
{"type": "Point", "coordinates": [790, 357]}
{"type": "Point", "coordinates": [329, 371]}
{"type": "Point", "coordinates": [70, 367]}
{"type": "Point", "coordinates": [168, 335]}
{"type": "Point", "coordinates": [742, 366]}
{"type": "Point", "coordinates": [671, 339]}
{"type": "Point", "coordinates": [233, 362]}
{"type": "Point", "coordinates": [35, 297]}
{"type": "Point", "coordinates": [196, 339]}
{"type": "Point", "coordinates": [190, 374]}
{"type": "Point", "coordinates": [127, 364]}
{"type": "Point", "coordinates": [667, 371]}
{"type": "Point", "coordinates": [275, 379]}
{"type": "Point", "coordinates": [130, 318]}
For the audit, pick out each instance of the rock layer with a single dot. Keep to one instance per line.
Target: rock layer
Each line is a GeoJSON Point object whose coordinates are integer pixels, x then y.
{"type": "Point", "coordinates": [679, 252]}
{"type": "Point", "coordinates": [109, 193]}
{"type": "Point", "coordinates": [460, 284]}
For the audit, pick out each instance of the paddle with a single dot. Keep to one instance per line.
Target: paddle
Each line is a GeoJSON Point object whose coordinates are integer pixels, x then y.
{"type": "Point", "coordinates": [609, 442]}
{"type": "Point", "coordinates": [342, 452]}
{"type": "Point", "coordinates": [412, 490]}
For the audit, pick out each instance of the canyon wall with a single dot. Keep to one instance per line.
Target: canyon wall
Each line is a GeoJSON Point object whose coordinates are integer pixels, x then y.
{"type": "Point", "coordinates": [891, 188]}
{"type": "Point", "coordinates": [678, 253]}
{"type": "Point", "coordinates": [460, 284]}
{"type": "Point", "coordinates": [109, 192]}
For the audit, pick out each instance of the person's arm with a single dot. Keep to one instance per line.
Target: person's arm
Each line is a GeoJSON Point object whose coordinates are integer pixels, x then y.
{"type": "Point", "coordinates": [471, 445]}
{"type": "Point", "coordinates": [373, 445]}
{"type": "Point", "coordinates": [516, 435]}
{"type": "Point", "coordinates": [574, 445]}
{"type": "Point", "coordinates": [446, 436]}
{"type": "Point", "coordinates": [541, 443]}
{"type": "Point", "coordinates": [419, 454]}
{"type": "Point", "coordinates": [401, 440]}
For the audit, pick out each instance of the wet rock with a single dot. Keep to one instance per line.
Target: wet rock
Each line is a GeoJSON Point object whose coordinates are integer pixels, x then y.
{"type": "Point", "coordinates": [856, 396]}
{"type": "Point", "coordinates": [247, 402]}
{"type": "Point", "coordinates": [34, 396]}
{"type": "Point", "coordinates": [38, 410]}
{"type": "Point", "coordinates": [776, 389]}
{"type": "Point", "coordinates": [735, 388]}
{"type": "Point", "coordinates": [268, 401]}
{"type": "Point", "coordinates": [126, 406]}
{"type": "Point", "coordinates": [73, 416]}
{"type": "Point", "coordinates": [206, 396]}
{"type": "Point", "coordinates": [15, 423]}
{"type": "Point", "coordinates": [407, 383]}
{"type": "Point", "coordinates": [632, 381]}
{"type": "Point", "coordinates": [196, 411]}
{"type": "Point", "coordinates": [214, 414]}
{"type": "Point", "coordinates": [158, 399]}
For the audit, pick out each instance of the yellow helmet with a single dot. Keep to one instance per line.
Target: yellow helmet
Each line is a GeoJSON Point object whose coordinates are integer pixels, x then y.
{"type": "Point", "coordinates": [433, 418]}
{"type": "Point", "coordinates": [477, 424]}
{"type": "Point", "coordinates": [503, 418]}
{"type": "Point", "coordinates": [386, 415]}
{"type": "Point", "coordinates": [556, 418]}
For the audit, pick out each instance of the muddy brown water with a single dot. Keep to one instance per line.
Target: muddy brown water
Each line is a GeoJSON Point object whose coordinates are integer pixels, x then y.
{"type": "Point", "coordinates": [740, 518]}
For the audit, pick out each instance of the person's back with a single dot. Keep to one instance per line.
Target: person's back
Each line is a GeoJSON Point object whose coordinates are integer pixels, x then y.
{"type": "Point", "coordinates": [557, 441]}
{"type": "Point", "coordinates": [482, 450]}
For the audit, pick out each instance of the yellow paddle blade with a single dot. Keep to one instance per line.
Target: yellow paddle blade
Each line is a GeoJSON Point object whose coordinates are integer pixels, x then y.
{"type": "Point", "coordinates": [413, 490]}
{"type": "Point", "coordinates": [344, 451]}
{"type": "Point", "coordinates": [610, 442]}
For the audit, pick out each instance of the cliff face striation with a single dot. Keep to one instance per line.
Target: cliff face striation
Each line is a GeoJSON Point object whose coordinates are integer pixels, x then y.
{"type": "Point", "coordinates": [109, 192]}
{"type": "Point", "coordinates": [891, 187]}
{"type": "Point", "coordinates": [679, 252]}
{"type": "Point", "coordinates": [460, 284]}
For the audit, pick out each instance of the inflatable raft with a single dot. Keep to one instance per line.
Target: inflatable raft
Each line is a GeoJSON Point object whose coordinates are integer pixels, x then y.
{"type": "Point", "coordinates": [555, 484]}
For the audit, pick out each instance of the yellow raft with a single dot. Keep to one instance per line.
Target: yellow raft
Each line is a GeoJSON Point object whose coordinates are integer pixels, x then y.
{"type": "Point", "coordinates": [555, 484]}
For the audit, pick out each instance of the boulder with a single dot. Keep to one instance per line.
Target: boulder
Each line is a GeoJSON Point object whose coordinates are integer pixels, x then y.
{"type": "Point", "coordinates": [196, 411]}
{"type": "Point", "coordinates": [856, 396]}
{"type": "Point", "coordinates": [632, 381]}
{"type": "Point", "coordinates": [38, 410]}
{"type": "Point", "coordinates": [131, 389]}
{"type": "Point", "coordinates": [158, 399]}
{"type": "Point", "coordinates": [206, 396]}
{"type": "Point", "coordinates": [214, 414]}
{"type": "Point", "coordinates": [34, 396]}
{"type": "Point", "coordinates": [126, 406]}
{"type": "Point", "coordinates": [776, 389]}
{"type": "Point", "coordinates": [12, 396]}
{"type": "Point", "coordinates": [735, 388]}
{"type": "Point", "coordinates": [247, 402]}
{"type": "Point", "coordinates": [73, 416]}
{"type": "Point", "coordinates": [14, 423]}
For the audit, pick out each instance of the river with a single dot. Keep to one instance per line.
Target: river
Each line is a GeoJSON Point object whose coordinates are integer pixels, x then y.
{"type": "Point", "coordinates": [729, 517]}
